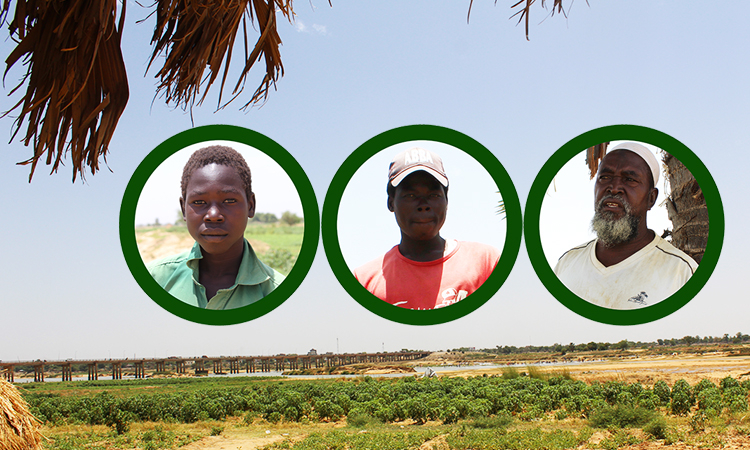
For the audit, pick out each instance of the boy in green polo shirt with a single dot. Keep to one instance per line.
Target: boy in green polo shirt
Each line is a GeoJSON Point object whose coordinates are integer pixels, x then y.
{"type": "Point", "coordinates": [221, 271]}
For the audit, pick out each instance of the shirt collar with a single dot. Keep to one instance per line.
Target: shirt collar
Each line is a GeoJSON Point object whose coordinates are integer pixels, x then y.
{"type": "Point", "coordinates": [251, 270]}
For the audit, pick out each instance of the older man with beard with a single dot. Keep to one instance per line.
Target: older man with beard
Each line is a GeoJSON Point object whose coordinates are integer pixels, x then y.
{"type": "Point", "coordinates": [627, 266]}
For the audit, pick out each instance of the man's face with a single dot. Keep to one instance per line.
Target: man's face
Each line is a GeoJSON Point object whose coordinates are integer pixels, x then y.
{"type": "Point", "coordinates": [420, 205]}
{"type": "Point", "coordinates": [216, 208]}
{"type": "Point", "coordinates": [623, 195]}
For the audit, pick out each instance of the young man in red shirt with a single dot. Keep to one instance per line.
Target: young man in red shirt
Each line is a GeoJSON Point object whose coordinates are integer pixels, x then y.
{"type": "Point", "coordinates": [424, 271]}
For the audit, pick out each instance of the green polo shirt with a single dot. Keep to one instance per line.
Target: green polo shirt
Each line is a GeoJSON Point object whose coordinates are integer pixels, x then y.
{"type": "Point", "coordinates": [179, 276]}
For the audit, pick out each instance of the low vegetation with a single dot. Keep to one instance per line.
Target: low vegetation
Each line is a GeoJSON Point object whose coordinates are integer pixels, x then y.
{"type": "Point", "coordinates": [514, 411]}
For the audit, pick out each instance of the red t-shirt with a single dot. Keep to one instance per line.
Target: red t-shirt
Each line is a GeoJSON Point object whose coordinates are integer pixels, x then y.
{"type": "Point", "coordinates": [432, 284]}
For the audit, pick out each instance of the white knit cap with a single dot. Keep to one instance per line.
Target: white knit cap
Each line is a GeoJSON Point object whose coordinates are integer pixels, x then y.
{"type": "Point", "coordinates": [645, 154]}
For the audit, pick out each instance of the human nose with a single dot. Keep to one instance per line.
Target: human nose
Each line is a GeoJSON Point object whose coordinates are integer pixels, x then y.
{"type": "Point", "coordinates": [213, 214]}
{"type": "Point", "coordinates": [423, 205]}
{"type": "Point", "coordinates": [615, 185]}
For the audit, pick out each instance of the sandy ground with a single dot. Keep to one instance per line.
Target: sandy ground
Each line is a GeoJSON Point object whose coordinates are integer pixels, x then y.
{"type": "Point", "coordinates": [644, 370]}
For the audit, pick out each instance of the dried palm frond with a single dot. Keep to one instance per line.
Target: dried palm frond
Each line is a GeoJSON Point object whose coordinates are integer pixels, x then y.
{"type": "Point", "coordinates": [594, 156]}
{"type": "Point", "coordinates": [524, 13]}
{"type": "Point", "coordinates": [199, 34]}
{"type": "Point", "coordinates": [76, 81]}
{"type": "Point", "coordinates": [19, 429]}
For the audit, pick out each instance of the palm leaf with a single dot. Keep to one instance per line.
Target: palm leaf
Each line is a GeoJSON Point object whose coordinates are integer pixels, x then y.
{"type": "Point", "coordinates": [76, 84]}
{"type": "Point", "coordinates": [196, 36]}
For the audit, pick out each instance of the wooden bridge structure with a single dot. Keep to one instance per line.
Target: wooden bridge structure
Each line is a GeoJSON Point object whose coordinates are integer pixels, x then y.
{"type": "Point", "coordinates": [202, 365]}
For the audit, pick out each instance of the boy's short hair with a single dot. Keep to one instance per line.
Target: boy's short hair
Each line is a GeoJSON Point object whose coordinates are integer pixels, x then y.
{"type": "Point", "coordinates": [217, 154]}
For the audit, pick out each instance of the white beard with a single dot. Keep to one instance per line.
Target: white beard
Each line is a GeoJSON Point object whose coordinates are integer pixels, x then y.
{"type": "Point", "coordinates": [612, 231]}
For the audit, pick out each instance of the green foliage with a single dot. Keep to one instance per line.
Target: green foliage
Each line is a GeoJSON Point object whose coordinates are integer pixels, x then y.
{"type": "Point", "coordinates": [657, 427]}
{"type": "Point", "coordinates": [265, 218]}
{"type": "Point", "coordinates": [358, 417]}
{"type": "Point", "coordinates": [619, 438]}
{"type": "Point", "coordinates": [661, 389]}
{"type": "Point", "coordinates": [510, 372]}
{"type": "Point", "coordinates": [621, 416]}
{"type": "Point", "coordinates": [290, 218]}
{"type": "Point", "coordinates": [682, 398]}
{"type": "Point", "coordinates": [498, 438]}
{"type": "Point", "coordinates": [340, 440]}
{"type": "Point", "coordinates": [698, 421]}
{"type": "Point", "coordinates": [217, 430]}
{"type": "Point", "coordinates": [499, 421]}
{"type": "Point", "coordinates": [709, 400]}
{"type": "Point", "coordinates": [728, 383]}
{"type": "Point", "coordinates": [280, 259]}
{"type": "Point", "coordinates": [735, 398]}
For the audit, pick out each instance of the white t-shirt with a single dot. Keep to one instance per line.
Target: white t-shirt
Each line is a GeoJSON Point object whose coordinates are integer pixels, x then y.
{"type": "Point", "coordinates": [650, 275]}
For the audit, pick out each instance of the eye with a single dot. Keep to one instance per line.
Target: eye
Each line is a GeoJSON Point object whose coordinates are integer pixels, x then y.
{"type": "Point", "coordinates": [230, 200]}
{"type": "Point", "coordinates": [605, 177]}
{"type": "Point", "coordinates": [198, 202]}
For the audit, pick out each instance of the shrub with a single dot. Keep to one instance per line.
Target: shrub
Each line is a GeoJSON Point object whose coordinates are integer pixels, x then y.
{"type": "Point", "coordinates": [510, 372]}
{"type": "Point", "coordinates": [498, 421]}
{"type": "Point", "coordinates": [735, 399]}
{"type": "Point", "coordinates": [682, 397]}
{"type": "Point", "coordinates": [358, 417]}
{"type": "Point", "coordinates": [620, 416]}
{"type": "Point", "coordinates": [729, 382]}
{"type": "Point", "coordinates": [709, 401]}
{"type": "Point", "coordinates": [450, 415]}
{"type": "Point", "coordinates": [698, 421]}
{"type": "Point", "coordinates": [657, 427]}
{"type": "Point", "coordinates": [620, 438]}
{"type": "Point", "coordinates": [661, 389]}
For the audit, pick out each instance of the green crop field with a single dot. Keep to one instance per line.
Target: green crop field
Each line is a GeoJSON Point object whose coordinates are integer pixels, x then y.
{"type": "Point", "coordinates": [508, 411]}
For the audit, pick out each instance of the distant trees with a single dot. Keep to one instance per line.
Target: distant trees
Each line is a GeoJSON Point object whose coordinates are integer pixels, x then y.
{"type": "Point", "coordinates": [265, 218]}
{"type": "Point", "coordinates": [290, 218]}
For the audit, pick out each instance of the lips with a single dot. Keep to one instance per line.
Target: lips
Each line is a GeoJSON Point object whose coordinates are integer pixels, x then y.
{"type": "Point", "coordinates": [613, 203]}
{"type": "Point", "coordinates": [212, 234]}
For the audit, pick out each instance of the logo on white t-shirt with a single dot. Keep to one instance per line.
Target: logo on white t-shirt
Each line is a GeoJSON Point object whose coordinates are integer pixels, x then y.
{"type": "Point", "coordinates": [640, 298]}
{"type": "Point", "coordinates": [450, 296]}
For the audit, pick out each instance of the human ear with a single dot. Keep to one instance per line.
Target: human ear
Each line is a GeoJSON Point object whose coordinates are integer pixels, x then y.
{"type": "Point", "coordinates": [390, 204]}
{"type": "Point", "coordinates": [182, 208]}
{"type": "Point", "coordinates": [652, 197]}
{"type": "Point", "coordinates": [251, 205]}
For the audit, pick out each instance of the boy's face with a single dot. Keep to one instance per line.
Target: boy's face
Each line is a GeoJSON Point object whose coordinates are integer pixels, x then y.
{"type": "Point", "coordinates": [216, 208]}
{"type": "Point", "coordinates": [420, 206]}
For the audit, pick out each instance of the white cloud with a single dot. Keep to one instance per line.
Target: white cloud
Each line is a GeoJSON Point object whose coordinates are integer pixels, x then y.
{"type": "Point", "coordinates": [302, 28]}
{"type": "Point", "coordinates": [321, 29]}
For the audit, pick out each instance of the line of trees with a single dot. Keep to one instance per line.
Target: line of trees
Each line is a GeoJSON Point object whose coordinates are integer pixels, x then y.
{"type": "Point", "coordinates": [739, 338]}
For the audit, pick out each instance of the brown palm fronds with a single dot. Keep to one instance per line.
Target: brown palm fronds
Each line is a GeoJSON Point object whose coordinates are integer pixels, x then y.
{"type": "Point", "coordinates": [594, 155]}
{"type": "Point", "coordinates": [199, 34]}
{"type": "Point", "coordinates": [75, 74]}
{"type": "Point", "coordinates": [19, 429]}
{"type": "Point", "coordinates": [524, 12]}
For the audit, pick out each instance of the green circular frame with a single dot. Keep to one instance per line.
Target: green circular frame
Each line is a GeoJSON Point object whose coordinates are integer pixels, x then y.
{"type": "Point", "coordinates": [330, 224]}
{"type": "Point", "coordinates": [225, 133]}
{"type": "Point", "coordinates": [534, 243]}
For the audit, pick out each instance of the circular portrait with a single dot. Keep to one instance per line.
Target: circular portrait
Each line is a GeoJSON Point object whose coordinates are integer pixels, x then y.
{"type": "Point", "coordinates": [220, 229]}
{"type": "Point", "coordinates": [421, 227]}
{"type": "Point", "coordinates": [624, 226]}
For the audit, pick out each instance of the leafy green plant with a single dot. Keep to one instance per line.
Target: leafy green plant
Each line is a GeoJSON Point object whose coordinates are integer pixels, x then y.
{"type": "Point", "coordinates": [620, 416]}
{"type": "Point", "coordinates": [657, 427]}
{"type": "Point", "coordinates": [682, 398]}
{"type": "Point", "coordinates": [499, 421]}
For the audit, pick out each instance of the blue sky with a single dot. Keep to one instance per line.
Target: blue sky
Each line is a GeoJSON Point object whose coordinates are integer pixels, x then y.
{"type": "Point", "coordinates": [351, 72]}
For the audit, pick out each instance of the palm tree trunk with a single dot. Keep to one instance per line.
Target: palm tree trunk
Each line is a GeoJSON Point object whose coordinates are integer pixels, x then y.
{"type": "Point", "coordinates": [686, 208]}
